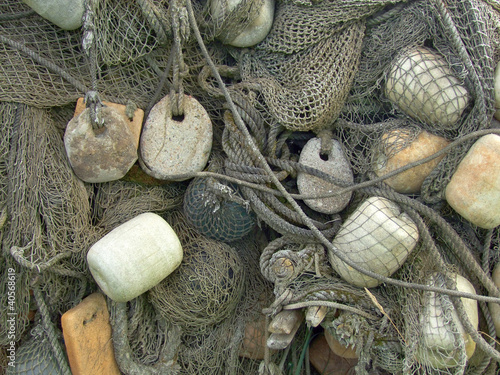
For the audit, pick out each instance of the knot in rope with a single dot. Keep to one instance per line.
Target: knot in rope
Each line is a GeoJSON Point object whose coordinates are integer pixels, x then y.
{"type": "Point", "coordinates": [94, 104]}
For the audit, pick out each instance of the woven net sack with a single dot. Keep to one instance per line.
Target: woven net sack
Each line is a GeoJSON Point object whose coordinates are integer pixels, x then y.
{"type": "Point", "coordinates": [306, 65]}
{"type": "Point", "coordinates": [217, 211]}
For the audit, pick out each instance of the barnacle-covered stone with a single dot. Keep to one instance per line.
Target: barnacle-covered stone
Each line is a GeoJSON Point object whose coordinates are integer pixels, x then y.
{"type": "Point", "coordinates": [102, 154]}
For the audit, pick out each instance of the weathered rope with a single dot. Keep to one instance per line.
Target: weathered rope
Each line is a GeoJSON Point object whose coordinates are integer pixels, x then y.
{"type": "Point", "coordinates": [166, 364]}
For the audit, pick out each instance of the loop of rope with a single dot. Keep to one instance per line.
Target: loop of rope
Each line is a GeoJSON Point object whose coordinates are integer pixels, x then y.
{"type": "Point", "coordinates": [17, 254]}
{"type": "Point", "coordinates": [155, 18]}
{"type": "Point", "coordinates": [166, 364]}
{"type": "Point", "coordinates": [49, 329]}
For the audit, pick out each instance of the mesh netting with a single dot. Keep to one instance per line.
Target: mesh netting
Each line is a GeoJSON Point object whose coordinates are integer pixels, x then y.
{"type": "Point", "coordinates": [118, 201]}
{"type": "Point", "coordinates": [35, 356]}
{"type": "Point", "coordinates": [48, 208]}
{"type": "Point", "coordinates": [206, 287]}
{"type": "Point", "coordinates": [299, 90]}
{"type": "Point", "coordinates": [349, 71]}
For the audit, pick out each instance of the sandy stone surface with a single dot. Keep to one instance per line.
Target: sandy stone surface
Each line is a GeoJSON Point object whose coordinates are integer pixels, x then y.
{"type": "Point", "coordinates": [171, 146]}
{"type": "Point", "coordinates": [337, 166]}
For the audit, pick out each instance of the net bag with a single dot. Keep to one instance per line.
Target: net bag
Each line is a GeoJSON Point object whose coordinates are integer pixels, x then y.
{"type": "Point", "coordinates": [217, 211]}
{"type": "Point", "coordinates": [206, 287]}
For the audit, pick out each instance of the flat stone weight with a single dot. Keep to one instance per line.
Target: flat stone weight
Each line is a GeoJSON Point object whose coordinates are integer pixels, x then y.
{"type": "Point", "coordinates": [169, 147]}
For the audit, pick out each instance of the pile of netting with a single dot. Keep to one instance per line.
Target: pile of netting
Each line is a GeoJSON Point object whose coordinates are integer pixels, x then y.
{"type": "Point", "coordinates": [361, 80]}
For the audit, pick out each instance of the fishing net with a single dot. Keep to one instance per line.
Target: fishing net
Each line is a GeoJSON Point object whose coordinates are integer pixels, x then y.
{"type": "Point", "coordinates": [48, 211]}
{"type": "Point", "coordinates": [35, 356]}
{"type": "Point", "coordinates": [206, 287]}
{"type": "Point", "coordinates": [306, 65]}
{"type": "Point", "coordinates": [346, 71]}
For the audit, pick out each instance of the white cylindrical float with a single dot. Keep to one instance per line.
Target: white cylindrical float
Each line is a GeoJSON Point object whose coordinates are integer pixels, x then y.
{"type": "Point", "coordinates": [134, 257]}
{"type": "Point", "coordinates": [377, 236]}
{"type": "Point", "coordinates": [422, 85]}
{"type": "Point", "coordinates": [438, 346]}
{"type": "Point", "coordinates": [67, 14]}
{"type": "Point", "coordinates": [474, 188]}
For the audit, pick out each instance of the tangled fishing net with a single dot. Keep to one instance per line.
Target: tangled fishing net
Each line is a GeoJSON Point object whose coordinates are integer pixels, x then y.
{"type": "Point", "coordinates": [205, 288]}
{"type": "Point", "coordinates": [373, 75]}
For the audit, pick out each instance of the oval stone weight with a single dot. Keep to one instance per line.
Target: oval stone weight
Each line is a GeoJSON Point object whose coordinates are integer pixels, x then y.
{"type": "Point", "coordinates": [171, 146]}
{"type": "Point", "coordinates": [100, 155]}
{"type": "Point", "coordinates": [474, 188]}
{"type": "Point", "coordinates": [134, 257]}
{"type": "Point", "coordinates": [378, 237]}
{"type": "Point", "coordinates": [336, 165]}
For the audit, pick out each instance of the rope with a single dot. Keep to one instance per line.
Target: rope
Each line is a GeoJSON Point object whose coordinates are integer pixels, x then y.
{"type": "Point", "coordinates": [181, 34]}
{"type": "Point", "coordinates": [123, 353]}
{"type": "Point", "coordinates": [17, 16]}
{"type": "Point", "coordinates": [386, 16]}
{"type": "Point", "coordinates": [155, 18]}
{"type": "Point", "coordinates": [156, 96]}
{"type": "Point", "coordinates": [469, 328]}
{"type": "Point", "coordinates": [17, 254]}
{"type": "Point", "coordinates": [51, 332]}
{"type": "Point", "coordinates": [313, 230]}
{"type": "Point", "coordinates": [334, 305]}
{"type": "Point", "coordinates": [92, 99]}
